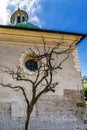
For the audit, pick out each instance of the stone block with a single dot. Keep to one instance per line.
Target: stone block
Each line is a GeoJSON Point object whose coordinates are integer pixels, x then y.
{"type": "Point", "coordinates": [5, 109]}
{"type": "Point", "coordinates": [19, 110]}
{"type": "Point", "coordinates": [80, 104]}
{"type": "Point", "coordinates": [85, 121]}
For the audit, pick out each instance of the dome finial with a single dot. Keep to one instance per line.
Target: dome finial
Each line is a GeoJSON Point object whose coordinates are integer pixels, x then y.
{"type": "Point", "coordinates": [18, 7]}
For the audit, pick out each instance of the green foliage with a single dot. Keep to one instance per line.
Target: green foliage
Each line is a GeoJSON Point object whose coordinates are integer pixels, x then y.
{"type": "Point", "coordinates": [84, 82]}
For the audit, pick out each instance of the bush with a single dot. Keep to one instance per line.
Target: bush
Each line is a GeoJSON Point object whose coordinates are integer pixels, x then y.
{"type": "Point", "coordinates": [84, 82]}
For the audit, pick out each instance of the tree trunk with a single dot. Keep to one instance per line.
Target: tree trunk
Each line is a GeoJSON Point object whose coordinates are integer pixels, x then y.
{"type": "Point", "coordinates": [27, 119]}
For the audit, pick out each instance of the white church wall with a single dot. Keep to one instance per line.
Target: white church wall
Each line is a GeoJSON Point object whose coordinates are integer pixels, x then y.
{"type": "Point", "coordinates": [61, 110]}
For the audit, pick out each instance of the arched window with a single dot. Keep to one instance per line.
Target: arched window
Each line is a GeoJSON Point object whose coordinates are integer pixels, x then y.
{"type": "Point", "coordinates": [19, 19]}
{"type": "Point", "coordinates": [23, 18]}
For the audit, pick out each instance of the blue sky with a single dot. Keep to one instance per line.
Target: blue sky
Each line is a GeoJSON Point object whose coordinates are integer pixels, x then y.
{"type": "Point", "coordinates": [60, 15]}
{"type": "Point", "coordinates": [69, 16]}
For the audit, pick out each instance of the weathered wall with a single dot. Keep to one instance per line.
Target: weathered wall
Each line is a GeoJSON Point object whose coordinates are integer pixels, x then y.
{"type": "Point", "coordinates": [62, 110]}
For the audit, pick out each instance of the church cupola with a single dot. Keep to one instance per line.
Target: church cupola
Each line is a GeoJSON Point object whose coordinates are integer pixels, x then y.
{"type": "Point", "coordinates": [20, 19]}
{"type": "Point", "coordinates": [19, 16]}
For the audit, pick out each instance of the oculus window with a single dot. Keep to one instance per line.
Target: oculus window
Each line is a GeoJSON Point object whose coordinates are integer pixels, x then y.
{"type": "Point", "coordinates": [31, 65]}
{"type": "Point", "coordinates": [30, 62]}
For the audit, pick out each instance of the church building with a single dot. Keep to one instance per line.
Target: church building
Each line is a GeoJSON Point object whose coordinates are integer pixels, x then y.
{"type": "Point", "coordinates": [62, 110]}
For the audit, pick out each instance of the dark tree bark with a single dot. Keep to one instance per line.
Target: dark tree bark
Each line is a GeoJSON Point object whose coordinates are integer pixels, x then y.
{"type": "Point", "coordinates": [27, 119]}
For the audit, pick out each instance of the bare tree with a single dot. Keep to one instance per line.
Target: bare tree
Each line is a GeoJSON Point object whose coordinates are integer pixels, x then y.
{"type": "Point", "coordinates": [43, 77]}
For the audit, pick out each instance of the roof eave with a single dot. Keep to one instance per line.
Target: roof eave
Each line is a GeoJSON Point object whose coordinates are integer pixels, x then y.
{"type": "Point", "coordinates": [45, 30]}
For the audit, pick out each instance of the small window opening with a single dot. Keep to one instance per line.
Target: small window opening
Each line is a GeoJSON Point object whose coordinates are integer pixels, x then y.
{"type": "Point", "coordinates": [23, 18]}
{"type": "Point", "coordinates": [19, 19]}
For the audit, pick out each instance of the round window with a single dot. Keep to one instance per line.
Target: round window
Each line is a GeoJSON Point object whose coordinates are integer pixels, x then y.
{"type": "Point", "coordinates": [30, 62]}
{"type": "Point", "coordinates": [31, 65]}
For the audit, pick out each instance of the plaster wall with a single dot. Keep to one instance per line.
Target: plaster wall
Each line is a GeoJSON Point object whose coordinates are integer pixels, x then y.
{"type": "Point", "coordinates": [62, 110]}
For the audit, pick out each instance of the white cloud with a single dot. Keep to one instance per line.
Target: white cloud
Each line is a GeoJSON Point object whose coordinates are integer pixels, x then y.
{"type": "Point", "coordinates": [32, 7]}
{"type": "Point", "coordinates": [3, 11]}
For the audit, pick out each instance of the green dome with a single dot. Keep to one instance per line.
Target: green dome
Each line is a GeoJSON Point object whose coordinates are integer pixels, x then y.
{"type": "Point", "coordinates": [25, 25]}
